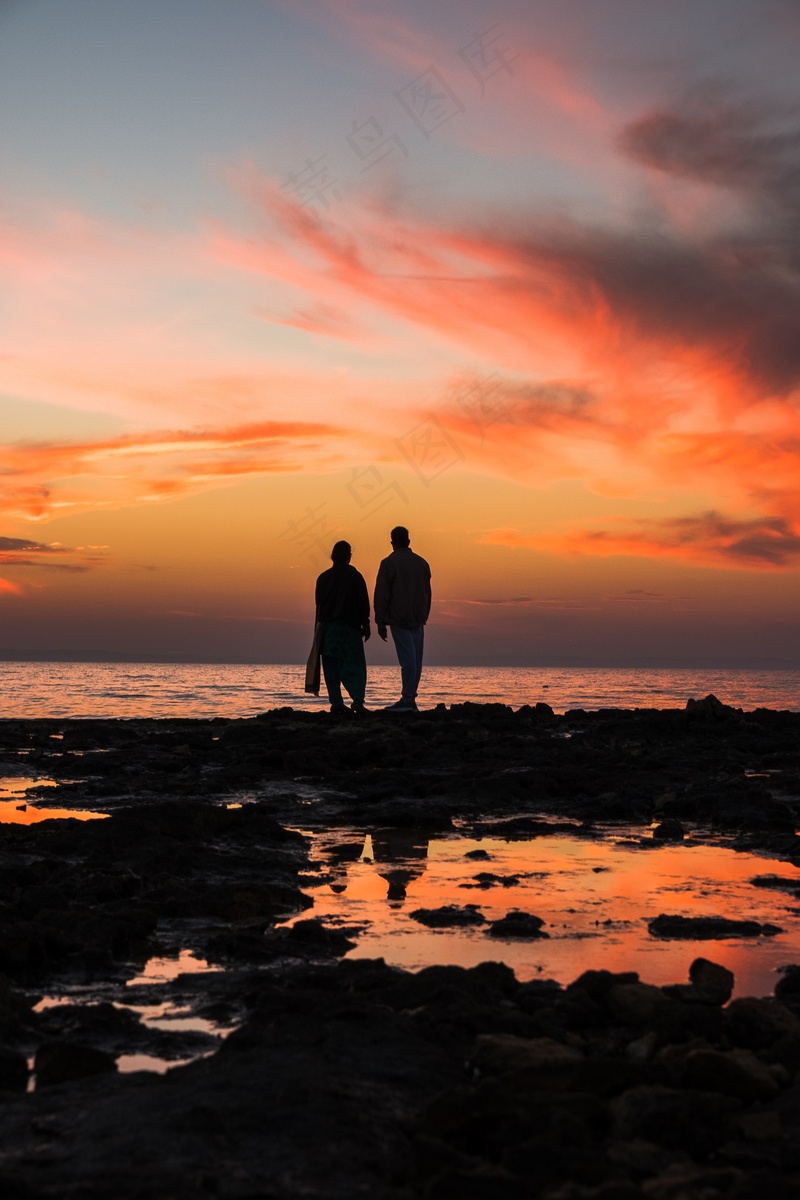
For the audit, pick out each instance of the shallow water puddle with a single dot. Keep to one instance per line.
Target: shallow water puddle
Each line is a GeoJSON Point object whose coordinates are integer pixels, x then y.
{"type": "Point", "coordinates": [126, 1063]}
{"type": "Point", "coordinates": [162, 970]}
{"type": "Point", "coordinates": [169, 1016]}
{"type": "Point", "coordinates": [595, 894]}
{"type": "Point", "coordinates": [16, 808]}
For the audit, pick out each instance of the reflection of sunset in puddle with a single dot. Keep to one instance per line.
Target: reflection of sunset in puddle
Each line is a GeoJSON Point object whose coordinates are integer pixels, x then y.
{"type": "Point", "coordinates": [126, 1063]}
{"type": "Point", "coordinates": [168, 1016]}
{"type": "Point", "coordinates": [17, 809]}
{"type": "Point", "coordinates": [595, 895]}
{"type": "Point", "coordinates": [162, 970]}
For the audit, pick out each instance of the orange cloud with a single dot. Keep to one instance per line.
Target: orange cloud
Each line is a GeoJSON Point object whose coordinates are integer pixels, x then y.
{"type": "Point", "coordinates": [9, 588]}
{"type": "Point", "coordinates": [109, 472]}
{"type": "Point", "coordinates": [642, 360]}
{"type": "Point", "coordinates": [709, 539]}
{"type": "Point", "coordinates": [645, 361]}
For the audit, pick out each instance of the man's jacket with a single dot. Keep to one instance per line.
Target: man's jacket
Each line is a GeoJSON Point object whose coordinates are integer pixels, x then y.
{"type": "Point", "coordinates": [403, 590]}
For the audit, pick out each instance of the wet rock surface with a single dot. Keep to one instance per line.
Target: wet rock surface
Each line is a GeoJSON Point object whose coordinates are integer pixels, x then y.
{"type": "Point", "coordinates": [347, 1078]}
{"type": "Point", "coordinates": [448, 916]}
{"type": "Point", "coordinates": [707, 928]}
{"type": "Point", "coordinates": [518, 925]}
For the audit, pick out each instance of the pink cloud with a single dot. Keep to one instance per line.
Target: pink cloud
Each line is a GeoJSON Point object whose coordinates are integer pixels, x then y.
{"type": "Point", "coordinates": [155, 465]}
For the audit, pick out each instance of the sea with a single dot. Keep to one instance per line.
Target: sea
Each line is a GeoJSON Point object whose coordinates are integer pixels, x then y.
{"type": "Point", "coordinates": [89, 689]}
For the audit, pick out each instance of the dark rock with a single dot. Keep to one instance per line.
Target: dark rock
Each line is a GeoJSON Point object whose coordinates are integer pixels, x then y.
{"type": "Point", "coordinates": [61, 1061]}
{"type": "Point", "coordinates": [707, 928]}
{"type": "Point", "coordinates": [597, 984]}
{"type": "Point", "coordinates": [537, 994]}
{"type": "Point", "coordinates": [787, 989]}
{"type": "Point", "coordinates": [478, 855]}
{"type": "Point", "coordinates": [521, 925]}
{"type": "Point", "coordinates": [669, 831]}
{"type": "Point", "coordinates": [783, 883]}
{"type": "Point", "coordinates": [329, 1080]}
{"type": "Point", "coordinates": [449, 916]}
{"type": "Point", "coordinates": [690, 1182]}
{"type": "Point", "coordinates": [482, 1183]}
{"type": "Point", "coordinates": [766, 1027]}
{"type": "Point", "coordinates": [638, 1004]}
{"type": "Point", "coordinates": [709, 984]}
{"type": "Point", "coordinates": [315, 936]}
{"type": "Point", "coordinates": [15, 1010]}
{"type": "Point", "coordinates": [695, 1121]}
{"type": "Point", "coordinates": [732, 1072]}
{"type": "Point", "coordinates": [13, 1070]}
{"type": "Point", "coordinates": [712, 982]}
{"type": "Point", "coordinates": [487, 879]}
{"type": "Point", "coordinates": [644, 1159]}
{"type": "Point", "coordinates": [497, 1054]}
{"type": "Point", "coordinates": [711, 709]}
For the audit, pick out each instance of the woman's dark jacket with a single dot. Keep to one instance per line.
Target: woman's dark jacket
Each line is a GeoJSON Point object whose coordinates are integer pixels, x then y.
{"type": "Point", "coordinates": [342, 597]}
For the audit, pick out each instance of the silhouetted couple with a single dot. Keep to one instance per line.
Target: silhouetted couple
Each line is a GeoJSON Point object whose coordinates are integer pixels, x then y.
{"type": "Point", "coordinates": [402, 604]}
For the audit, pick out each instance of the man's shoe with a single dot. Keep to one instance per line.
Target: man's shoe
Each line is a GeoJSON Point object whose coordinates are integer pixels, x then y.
{"type": "Point", "coordinates": [359, 709]}
{"type": "Point", "coordinates": [401, 706]}
{"type": "Point", "coordinates": [340, 711]}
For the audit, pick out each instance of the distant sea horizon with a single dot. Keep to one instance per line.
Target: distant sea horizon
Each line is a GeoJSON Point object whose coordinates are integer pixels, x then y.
{"type": "Point", "coordinates": [59, 688]}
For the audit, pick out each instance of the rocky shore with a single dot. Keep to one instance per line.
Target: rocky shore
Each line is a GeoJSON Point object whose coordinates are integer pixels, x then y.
{"type": "Point", "coordinates": [346, 1077]}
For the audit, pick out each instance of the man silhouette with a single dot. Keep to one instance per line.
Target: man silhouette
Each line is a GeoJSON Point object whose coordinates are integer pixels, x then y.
{"type": "Point", "coordinates": [403, 603]}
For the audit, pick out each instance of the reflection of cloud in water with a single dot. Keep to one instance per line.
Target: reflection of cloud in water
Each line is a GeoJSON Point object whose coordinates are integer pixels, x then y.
{"type": "Point", "coordinates": [595, 895]}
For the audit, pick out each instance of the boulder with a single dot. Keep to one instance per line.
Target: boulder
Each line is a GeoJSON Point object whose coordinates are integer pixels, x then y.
{"type": "Point", "coordinates": [712, 982]}
{"type": "Point", "coordinates": [766, 1027]}
{"type": "Point", "coordinates": [448, 916]}
{"type": "Point", "coordinates": [62, 1061]}
{"type": "Point", "coordinates": [711, 709]}
{"type": "Point", "coordinates": [498, 1053]}
{"type": "Point", "coordinates": [13, 1070]}
{"type": "Point", "coordinates": [787, 989]}
{"type": "Point", "coordinates": [670, 830]}
{"type": "Point", "coordinates": [518, 925]}
{"type": "Point", "coordinates": [731, 1072]}
{"type": "Point", "coordinates": [639, 1004]}
{"type": "Point", "coordinates": [695, 1181]}
{"type": "Point", "coordinates": [709, 984]}
{"type": "Point", "coordinates": [707, 928]}
{"type": "Point", "coordinates": [695, 1121]}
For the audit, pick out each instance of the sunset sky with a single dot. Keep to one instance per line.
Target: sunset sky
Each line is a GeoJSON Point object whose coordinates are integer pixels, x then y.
{"type": "Point", "coordinates": [522, 275]}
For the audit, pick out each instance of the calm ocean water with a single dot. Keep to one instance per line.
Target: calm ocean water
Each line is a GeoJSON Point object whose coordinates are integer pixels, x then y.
{"type": "Point", "coordinates": [201, 690]}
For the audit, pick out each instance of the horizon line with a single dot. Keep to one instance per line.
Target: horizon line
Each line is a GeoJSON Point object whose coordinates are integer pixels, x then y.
{"type": "Point", "coordinates": [651, 665]}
